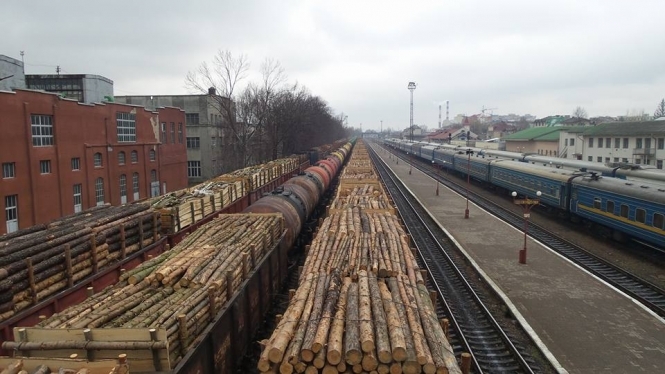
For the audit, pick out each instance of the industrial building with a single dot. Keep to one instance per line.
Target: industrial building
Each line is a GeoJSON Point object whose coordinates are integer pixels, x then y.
{"type": "Point", "coordinates": [205, 134]}
{"type": "Point", "coordinates": [60, 156]}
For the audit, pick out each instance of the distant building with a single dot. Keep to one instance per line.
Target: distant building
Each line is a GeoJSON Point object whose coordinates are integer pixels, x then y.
{"type": "Point", "coordinates": [85, 88]}
{"type": "Point", "coordinates": [550, 121]}
{"type": "Point", "coordinates": [450, 135]}
{"type": "Point", "coordinates": [641, 143]}
{"type": "Point", "coordinates": [571, 143]}
{"type": "Point", "coordinates": [205, 137]}
{"type": "Point", "coordinates": [11, 73]}
{"type": "Point", "coordinates": [418, 133]}
{"type": "Point", "coordinates": [500, 129]}
{"type": "Point", "coordinates": [369, 134]}
{"type": "Point", "coordinates": [60, 156]}
{"type": "Point", "coordinates": [538, 140]}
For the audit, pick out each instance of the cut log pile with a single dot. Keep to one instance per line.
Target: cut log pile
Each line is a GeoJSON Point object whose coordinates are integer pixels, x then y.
{"type": "Point", "coordinates": [180, 209]}
{"type": "Point", "coordinates": [259, 175]}
{"type": "Point", "coordinates": [336, 325]}
{"type": "Point", "coordinates": [40, 261]}
{"type": "Point", "coordinates": [362, 305]}
{"type": "Point", "coordinates": [182, 290]}
{"type": "Point", "coordinates": [70, 366]}
{"type": "Point", "coordinates": [366, 196]}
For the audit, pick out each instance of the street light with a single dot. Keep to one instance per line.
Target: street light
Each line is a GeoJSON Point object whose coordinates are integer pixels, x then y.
{"type": "Point", "coordinates": [526, 204]}
{"type": "Point", "coordinates": [411, 87]}
{"type": "Point", "coordinates": [469, 152]}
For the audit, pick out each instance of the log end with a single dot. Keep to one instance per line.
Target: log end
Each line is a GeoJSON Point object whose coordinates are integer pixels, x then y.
{"type": "Point", "coordinates": [334, 357]}
{"type": "Point", "coordinates": [399, 354]}
{"type": "Point", "coordinates": [307, 355]}
{"type": "Point", "coordinates": [275, 355]}
{"type": "Point", "coordinates": [367, 346]}
{"type": "Point", "coordinates": [353, 357]}
{"type": "Point", "coordinates": [385, 357]}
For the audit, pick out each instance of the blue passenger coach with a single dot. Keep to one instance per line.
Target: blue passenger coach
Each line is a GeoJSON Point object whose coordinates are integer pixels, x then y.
{"type": "Point", "coordinates": [528, 179]}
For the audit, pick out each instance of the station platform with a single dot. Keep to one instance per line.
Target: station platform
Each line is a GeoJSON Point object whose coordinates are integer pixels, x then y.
{"type": "Point", "coordinates": [581, 323]}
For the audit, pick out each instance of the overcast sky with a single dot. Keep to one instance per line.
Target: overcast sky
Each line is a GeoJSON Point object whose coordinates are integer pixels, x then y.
{"type": "Point", "coordinates": [528, 56]}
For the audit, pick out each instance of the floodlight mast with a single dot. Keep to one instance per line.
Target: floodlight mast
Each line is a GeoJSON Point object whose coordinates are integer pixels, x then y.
{"type": "Point", "coordinates": [412, 87]}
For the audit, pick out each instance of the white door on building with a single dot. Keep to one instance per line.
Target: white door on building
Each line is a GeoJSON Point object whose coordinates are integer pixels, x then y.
{"type": "Point", "coordinates": [11, 212]}
{"type": "Point", "coordinates": [77, 198]}
{"type": "Point", "coordinates": [135, 185]}
{"type": "Point", "coordinates": [154, 189]}
{"type": "Point", "coordinates": [123, 189]}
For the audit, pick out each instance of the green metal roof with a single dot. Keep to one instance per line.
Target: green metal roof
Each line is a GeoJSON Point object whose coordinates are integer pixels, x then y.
{"type": "Point", "coordinates": [627, 128]}
{"type": "Point", "coordinates": [536, 133]}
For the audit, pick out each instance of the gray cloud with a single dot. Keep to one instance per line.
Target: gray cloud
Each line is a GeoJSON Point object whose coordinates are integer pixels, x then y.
{"type": "Point", "coordinates": [520, 56]}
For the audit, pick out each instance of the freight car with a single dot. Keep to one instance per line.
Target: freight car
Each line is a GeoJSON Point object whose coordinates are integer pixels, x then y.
{"type": "Point", "coordinates": [243, 312]}
{"type": "Point", "coordinates": [580, 195]}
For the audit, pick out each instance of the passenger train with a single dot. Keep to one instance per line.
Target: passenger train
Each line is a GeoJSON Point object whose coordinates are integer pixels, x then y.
{"type": "Point", "coordinates": [628, 209]}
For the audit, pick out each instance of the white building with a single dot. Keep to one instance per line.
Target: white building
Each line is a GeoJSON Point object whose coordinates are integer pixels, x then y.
{"type": "Point", "coordinates": [11, 73]}
{"type": "Point", "coordinates": [640, 143]}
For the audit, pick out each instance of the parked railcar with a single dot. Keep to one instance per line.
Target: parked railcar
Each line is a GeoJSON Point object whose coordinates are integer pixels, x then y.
{"type": "Point", "coordinates": [427, 152]}
{"type": "Point", "coordinates": [528, 179]}
{"type": "Point", "coordinates": [477, 167]}
{"type": "Point", "coordinates": [627, 208]}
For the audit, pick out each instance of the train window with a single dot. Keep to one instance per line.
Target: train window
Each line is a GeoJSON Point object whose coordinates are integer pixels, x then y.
{"type": "Point", "coordinates": [624, 210]}
{"type": "Point", "coordinates": [610, 206]}
{"type": "Point", "coordinates": [597, 203]}
{"type": "Point", "coordinates": [659, 221]}
{"type": "Point", "coordinates": [640, 215]}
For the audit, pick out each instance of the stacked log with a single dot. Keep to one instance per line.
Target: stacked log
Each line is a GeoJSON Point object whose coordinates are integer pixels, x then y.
{"type": "Point", "coordinates": [335, 324]}
{"type": "Point", "coordinates": [35, 264]}
{"type": "Point", "coordinates": [73, 366]}
{"type": "Point", "coordinates": [354, 240]}
{"type": "Point", "coordinates": [366, 196]}
{"type": "Point", "coordinates": [181, 290]}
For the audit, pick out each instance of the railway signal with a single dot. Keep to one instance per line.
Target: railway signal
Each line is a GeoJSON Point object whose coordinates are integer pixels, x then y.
{"type": "Point", "coordinates": [526, 204]}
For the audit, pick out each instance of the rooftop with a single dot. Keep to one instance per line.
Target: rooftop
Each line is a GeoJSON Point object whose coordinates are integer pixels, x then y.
{"type": "Point", "coordinates": [537, 133]}
{"type": "Point", "coordinates": [627, 128]}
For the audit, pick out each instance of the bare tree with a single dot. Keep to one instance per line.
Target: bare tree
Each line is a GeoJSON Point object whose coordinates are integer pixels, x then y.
{"type": "Point", "coordinates": [580, 112]}
{"type": "Point", "coordinates": [224, 74]}
{"type": "Point", "coordinates": [660, 110]}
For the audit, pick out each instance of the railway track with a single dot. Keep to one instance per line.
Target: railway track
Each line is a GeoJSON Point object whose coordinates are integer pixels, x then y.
{"type": "Point", "coordinates": [473, 327]}
{"type": "Point", "coordinates": [646, 293]}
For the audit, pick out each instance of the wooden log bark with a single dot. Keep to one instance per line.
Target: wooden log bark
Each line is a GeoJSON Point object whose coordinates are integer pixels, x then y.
{"type": "Point", "coordinates": [383, 349]}
{"type": "Point", "coordinates": [442, 352]}
{"type": "Point", "coordinates": [336, 336]}
{"type": "Point", "coordinates": [352, 352]}
{"type": "Point", "coordinates": [366, 325]}
{"type": "Point", "coordinates": [410, 365]}
{"type": "Point", "coordinates": [332, 295]}
{"type": "Point", "coordinates": [306, 353]}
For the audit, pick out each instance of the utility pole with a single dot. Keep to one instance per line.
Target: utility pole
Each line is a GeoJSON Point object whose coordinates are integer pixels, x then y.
{"type": "Point", "coordinates": [57, 69]}
{"type": "Point", "coordinates": [381, 127]}
{"type": "Point", "coordinates": [23, 62]}
{"type": "Point", "coordinates": [411, 87]}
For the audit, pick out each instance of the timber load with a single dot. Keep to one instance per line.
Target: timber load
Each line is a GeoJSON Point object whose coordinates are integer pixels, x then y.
{"type": "Point", "coordinates": [365, 196]}
{"type": "Point", "coordinates": [355, 240]}
{"type": "Point", "coordinates": [72, 365]}
{"type": "Point", "coordinates": [42, 260]}
{"type": "Point", "coordinates": [183, 208]}
{"type": "Point", "coordinates": [334, 324]}
{"type": "Point", "coordinates": [167, 301]}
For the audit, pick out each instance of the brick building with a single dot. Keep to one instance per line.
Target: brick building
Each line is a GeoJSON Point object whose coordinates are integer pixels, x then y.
{"type": "Point", "coordinates": [60, 156]}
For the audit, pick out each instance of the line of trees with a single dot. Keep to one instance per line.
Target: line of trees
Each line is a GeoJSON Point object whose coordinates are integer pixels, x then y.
{"type": "Point", "coordinates": [265, 119]}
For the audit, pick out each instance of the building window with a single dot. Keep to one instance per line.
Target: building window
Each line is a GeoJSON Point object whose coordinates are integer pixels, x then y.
{"type": "Point", "coordinates": [78, 199]}
{"type": "Point", "coordinates": [42, 130]}
{"type": "Point", "coordinates": [172, 133]}
{"type": "Point", "coordinates": [572, 141]}
{"type": "Point", "coordinates": [600, 142]}
{"type": "Point", "coordinates": [625, 159]}
{"type": "Point", "coordinates": [121, 158]}
{"type": "Point", "coordinates": [625, 143]}
{"type": "Point", "coordinates": [661, 143]}
{"type": "Point", "coordinates": [647, 143]}
{"type": "Point", "coordinates": [192, 118]}
{"type": "Point", "coordinates": [123, 186]}
{"type": "Point", "coordinates": [610, 206]}
{"type": "Point", "coordinates": [616, 159]}
{"type": "Point", "coordinates": [162, 134]}
{"type": "Point", "coordinates": [99, 191]}
{"type": "Point", "coordinates": [617, 142]}
{"type": "Point", "coordinates": [590, 158]}
{"type": "Point", "coordinates": [180, 133]}
{"type": "Point", "coordinates": [153, 175]}
{"type": "Point", "coordinates": [193, 143]}
{"type": "Point", "coordinates": [659, 164]}
{"type": "Point", "coordinates": [153, 155]}
{"type": "Point", "coordinates": [590, 142]}
{"type": "Point", "coordinates": [608, 142]}
{"type": "Point", "coordinates": [8, 170]}
{"type": "Point", "coordinates": [97, 160]}
{"type": "Point", "coordinates": [193, 169]}
{"type": "Point", "coordinates": [11, 212]}
{"type": "Point", "coordinates": [135, 184]}
{"type": "Point", "coordinates": [126, 125]}
{"type": "Point", "coordinates": [599, 159]}
{"type": "Point", "coordinates": [135, 157]}
{"type": "Point", "coordinates": [76, 163]}
{"type": "Point", "coordinates": [638, 161]}
{"type": "Point", "coordinates": [607, 160]}
{"type": "Point", "coordinates": [45, 166]}
{"type": "Point", "coordinates": [638, 143]}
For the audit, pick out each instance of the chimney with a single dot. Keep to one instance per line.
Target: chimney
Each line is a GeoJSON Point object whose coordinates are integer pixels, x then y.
{"type": "Point", "coordinates": [212, 91]}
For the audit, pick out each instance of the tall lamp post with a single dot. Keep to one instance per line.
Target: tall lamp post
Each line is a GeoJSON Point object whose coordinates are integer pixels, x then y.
{"type": "Point", "coordinates": [526, 204]}
{"type": "Point", "coordinates": [469, 152]}
{"type": "Point", "coordinates": [412, 87]}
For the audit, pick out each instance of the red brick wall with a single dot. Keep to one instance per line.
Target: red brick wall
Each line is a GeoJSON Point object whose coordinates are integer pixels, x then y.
{"type": "Point", "coordinates": [81, 131]}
